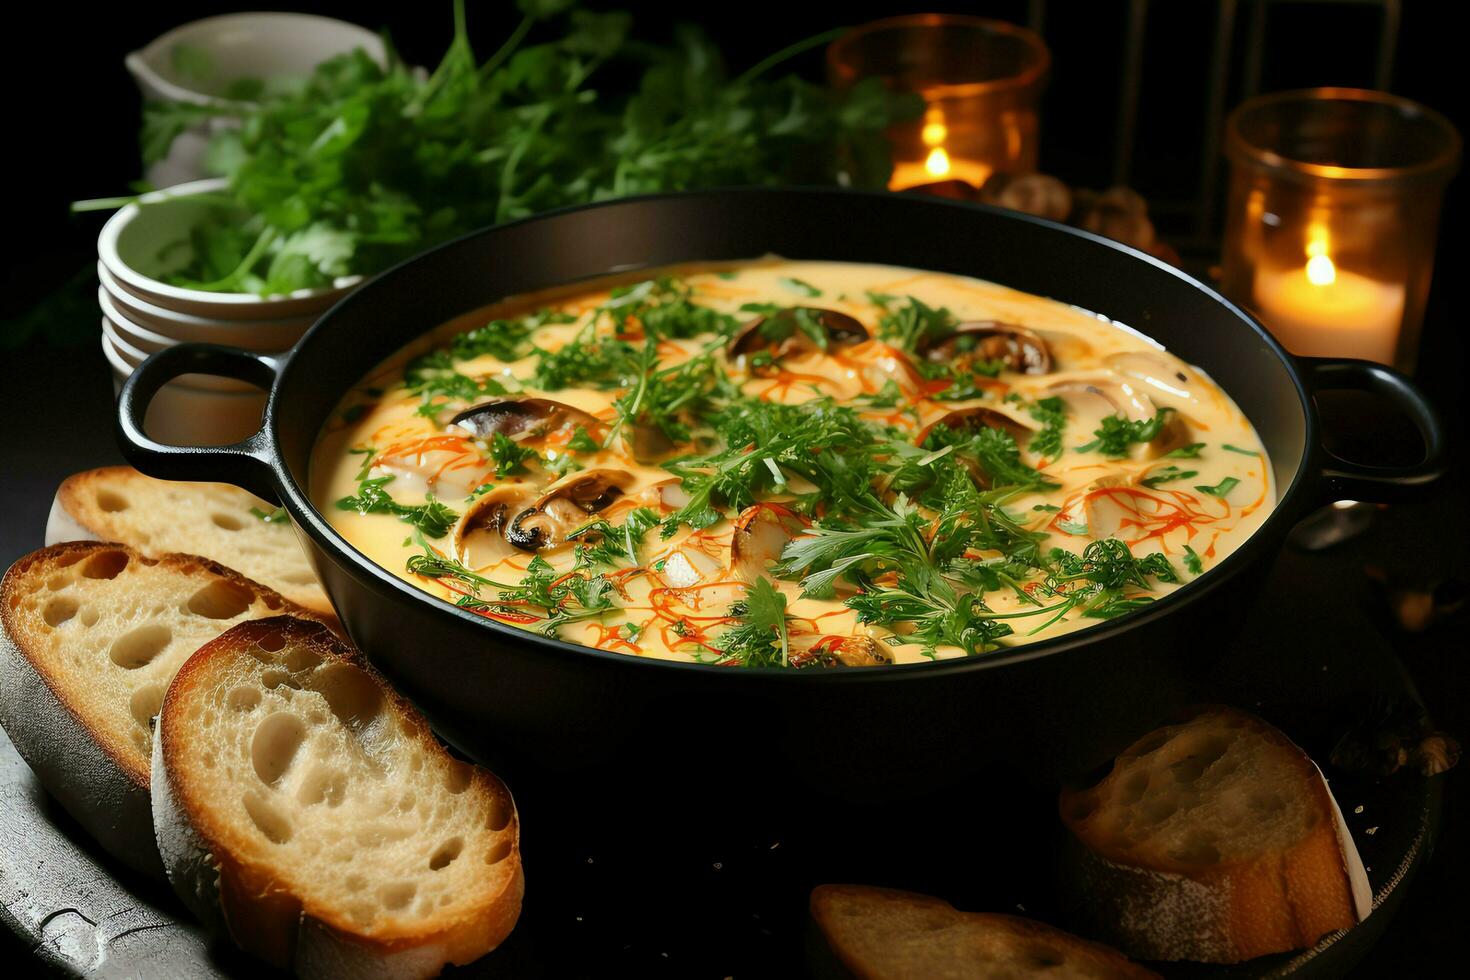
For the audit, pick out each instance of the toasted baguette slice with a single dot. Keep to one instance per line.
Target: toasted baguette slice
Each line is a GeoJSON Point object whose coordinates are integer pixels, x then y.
{"type": "Point", "coordinates": [880, 933]}
{"type": "Point", "coordinates": [90, 636]}
{"type": "Point", "coordinates": [117, 503]}
{"type": "Point", "coordinates": [1214, 839]}
{"type": "Point", "coordinates": [305, 809]}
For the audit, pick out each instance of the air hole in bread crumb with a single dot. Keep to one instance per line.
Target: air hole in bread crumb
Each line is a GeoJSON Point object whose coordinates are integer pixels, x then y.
{"type": "Point", "coordinates": [298, 578]}
{"type": "Point", "coordinates": [267, 819]}
{"type": "Point", "coordinates": [271, 642]}
{"type": "Point", "coordinates": [457, 777]}
{"type": "Point", "coordinates": [273, 679]}
{"type": "Point", "coordinates": [1267, 804]}
{"type": "Point", "coordinates": [145, 702]}
{"type": "Point", "coordinates": [1133, 788]}
{"type": "Point", "coordinates": [351, 693]}
{"type": "Point", "coordinates": [1082, 808]}
{"type": "Point", "coordinates": [57, 582]}
{"type": "Point", "coordinates": [111, 501]}
{"type": "Point", "coordinates": [1188, 769]}
{"type": "Point", "coordinates": [355, 883]}
{"type": "Point", "coordinates": [397, 895]}
{"type": "Point", "coordinates": [106, 564]}
{"type": "Point", "coordinates": [137, 647]}
{"type": "Point", "coordinates": [1157, 811]}
{"type": "Point", "coordinates": [70, 558]}
{"type": "Point", "coordinates": [499, 814]}
{"type": "Point", "coordinates": [300, 659]}
{"type": "Point", "coordinates": [221, 599]}
{"type": "Point", "coordinates": [446, 853]}
{"type": "Point", "coordinates": [274, 746]}
{"type": "Point", "coordinates": [228, 522]}
{"type": "Point", "coordinates": [89, 617]}
{"type": "Point", "coordinates": [322, 785]}
{"type": "Point", "coordinates": [1151, 744]}
{"type": "Point", "coordinates": [243, 699]}
{"type": "Point", "coordinates": [407, 802]}
{"type": "Point", "coordinates": [1196, 850]}
{"type": "Point", "coordinates": [498, 853]}
{"type": "Point", "coordinates": [60, 609]}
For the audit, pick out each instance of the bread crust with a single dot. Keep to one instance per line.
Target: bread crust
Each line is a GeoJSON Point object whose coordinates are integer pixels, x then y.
{"type": "Point", "coordinates": [939, 940]}
{"type": "Point", "coordinates": [79, 770]}
{"type": "Point", "coordinates": [93, 772]}
{"type": "Point", "coordinates": [1158, 908]}
{"type": "Point", "coordinates": [245, 897]}
{"type": "Point", "coordinates": [75, 516]}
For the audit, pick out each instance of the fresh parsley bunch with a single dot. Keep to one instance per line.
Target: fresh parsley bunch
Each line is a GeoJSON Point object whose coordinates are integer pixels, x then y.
{"type": "Point", "coordinates": [362, 165]}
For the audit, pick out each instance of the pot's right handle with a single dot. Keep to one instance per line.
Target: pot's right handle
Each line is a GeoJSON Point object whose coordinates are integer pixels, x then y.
{"type": "Point", "coordinates": [1347, 480]}
{"type": "Point", "coordinates": [247, 463]}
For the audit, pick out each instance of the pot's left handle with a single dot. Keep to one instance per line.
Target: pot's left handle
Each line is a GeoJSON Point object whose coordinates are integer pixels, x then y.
{"type": "Point", "coordinates": [247, 463]}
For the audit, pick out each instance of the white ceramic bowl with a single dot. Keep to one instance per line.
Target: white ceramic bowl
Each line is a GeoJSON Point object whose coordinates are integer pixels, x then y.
{"type": "Point", "coordinates": [125, 347]}
{"type": "Point", "coordinates": [197, 62]}
{"type": "Point", "coordinates": [185, 416]}
{"type": "Point", "coordinates": [133, 333]}
{"type": "Point", "coordinates": [259, 335]}
{"type": "Point", "coordinates": [147, 240]}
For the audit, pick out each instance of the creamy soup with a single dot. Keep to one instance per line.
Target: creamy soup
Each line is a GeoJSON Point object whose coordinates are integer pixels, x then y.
{"type": "Point", "coordinates": [792, 464]}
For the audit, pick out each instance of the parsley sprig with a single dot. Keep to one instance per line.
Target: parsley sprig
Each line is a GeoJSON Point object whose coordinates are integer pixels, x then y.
{"type": "Point", "coordinates": [432, 517]}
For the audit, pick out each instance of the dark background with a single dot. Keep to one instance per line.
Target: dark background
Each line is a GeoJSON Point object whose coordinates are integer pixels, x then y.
{"type": "Point", "coordinates": [72, 118]}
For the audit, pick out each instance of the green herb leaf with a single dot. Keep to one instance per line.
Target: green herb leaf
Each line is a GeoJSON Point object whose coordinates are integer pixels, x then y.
{"type": "Point", "coordinates": [1192, 562]}
{"type": "Point", "coordinates": [1166, 474]}
{"type": "Point", "coordinates": [1221, 489]}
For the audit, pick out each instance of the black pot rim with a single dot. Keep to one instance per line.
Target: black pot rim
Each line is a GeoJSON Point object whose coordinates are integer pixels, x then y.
{"type": "Point", "coordinates": [1289, 502]}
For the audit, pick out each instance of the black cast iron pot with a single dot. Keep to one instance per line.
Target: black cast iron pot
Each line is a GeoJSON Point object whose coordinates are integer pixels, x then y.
{"type": "Point", "coordinates": [524, 702]}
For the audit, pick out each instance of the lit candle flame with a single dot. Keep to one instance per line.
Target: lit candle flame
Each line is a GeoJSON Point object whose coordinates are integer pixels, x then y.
{"type": "Point", "coordinates": [934, 134]}
{"type": "Point", "coordinates": [1320, 270]}
{"type": "Point", "coordinates": [937, 163]}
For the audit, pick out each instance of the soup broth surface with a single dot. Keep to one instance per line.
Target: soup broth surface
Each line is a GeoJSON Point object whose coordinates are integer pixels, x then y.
{"type": "Point", "coordinates": [792, 464]}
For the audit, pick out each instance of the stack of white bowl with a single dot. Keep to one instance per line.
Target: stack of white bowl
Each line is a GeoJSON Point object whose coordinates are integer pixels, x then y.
{"type": "Point", "coordinates": [138, 249]}
{"type": "Point", "coordinates": [144, 243]}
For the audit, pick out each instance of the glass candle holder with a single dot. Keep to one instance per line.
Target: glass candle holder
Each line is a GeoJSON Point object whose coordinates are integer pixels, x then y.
{"type": "Point", "coordinates": [1334, 200]}
{"type": "Point", "coordinates": [980, 81]}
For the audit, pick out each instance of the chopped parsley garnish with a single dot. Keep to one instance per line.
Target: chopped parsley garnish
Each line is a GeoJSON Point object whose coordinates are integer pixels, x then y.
{"type": "Point", "coordinates": [599, 543]}
{"type": "Point", "coordinates": [914, 324]}
{"type": "Point", "coordinates": [431, 517]}
{"type": "Point", "coordinates": [1192, 563]}
{"type": "Point", "coordinates": [1221, 489]}
{"type": "Point", "coordinates": [798, 286]}
{"type": "Point", "coordinates": [582, 442]}
{"type": "Point", "coordinates": [1166, 474]}
{"type": "Point", "coordinates": [1237, 449]}
{"type": "Point", "coordinates": [1190, 451]}
{"type": "Point", "coordinates": [509, 456]}
{"type": "Point", "coordinates": [276, 516]}
{"type": "Point", "coordinates": [761, 637]}
{"type": "Point", "coordinates": [1116, 434]}
{"type": "Point", "coordinates": [1052, 414]}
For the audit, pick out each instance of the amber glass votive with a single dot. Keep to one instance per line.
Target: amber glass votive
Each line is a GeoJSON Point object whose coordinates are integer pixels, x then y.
{"type": "Point", "coordinates": [1334, 202]}
{"type": "Point", "coordinates": [980, 81]}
